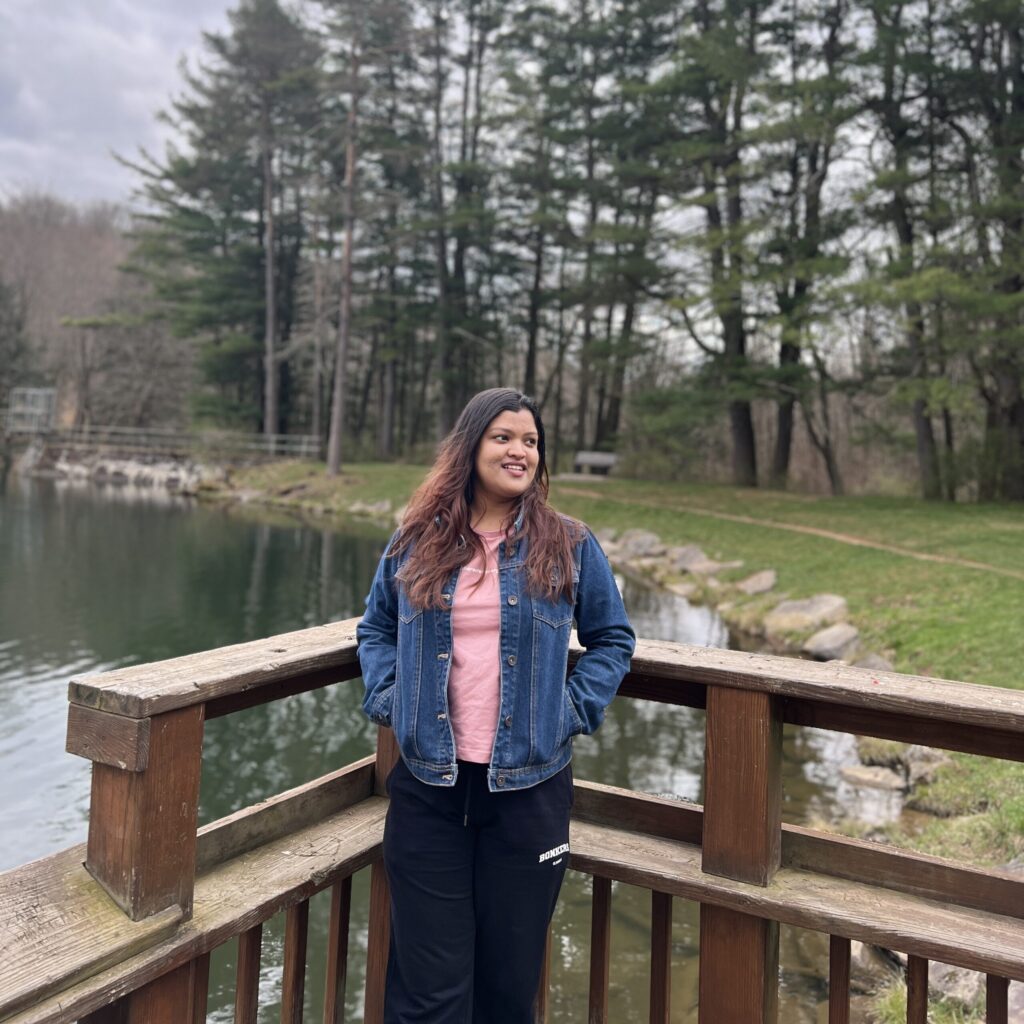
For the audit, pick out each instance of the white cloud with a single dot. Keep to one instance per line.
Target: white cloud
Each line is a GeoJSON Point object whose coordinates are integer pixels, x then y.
{"type": "Point", "coordinates": [81, 81]}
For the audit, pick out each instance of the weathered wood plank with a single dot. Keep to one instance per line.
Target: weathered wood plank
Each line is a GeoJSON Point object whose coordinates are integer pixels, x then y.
{"type": "Point", "coordinates": [142, 825]}
{"type": "Point", "coordinates": [996, 1000]}
{"type": "Point", "coordinates": [600, 950]}
{"type": "Point", "coordinates": [725, 994]}
{"type": "Point", "coordinates": [247, 975]}
{"type": "Point", "coordinates": [337, 951]}
{"type": "Point", "coordinates": [998, 892]}
{"type": "Point", "coordinates": [742, 785]}
{"type": "Point", "coordinates": [59, 926]}
{"type": "Point", "coordinates": [284, 813]}
{"type": "Point", "coordinates": [933, 929]}
{"type": "Point", "coordinates": [838, 980]}
{"type": "Point", "coordinates": [661, 958]}
{"type": "Point", "coordinates": [917, 990]}
{"type": "Point", "coordinates": [109, 739]}
{"type": "Point", "coordinates": [661, 670]}
{"type": "Point", "coordinates": [144, 690]}
{"type": "Point", "coordinates": [178, 997]}
{"type": "Point", "coordinates": [293, 982]}
{"type": "Point", "coordinates": [229, 900]}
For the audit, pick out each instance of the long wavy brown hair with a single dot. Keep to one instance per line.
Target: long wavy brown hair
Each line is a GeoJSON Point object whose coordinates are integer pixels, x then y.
{"type": "Point", "coordinates": [436, 524]}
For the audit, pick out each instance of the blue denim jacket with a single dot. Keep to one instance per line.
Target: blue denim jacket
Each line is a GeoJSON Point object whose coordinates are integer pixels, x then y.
{"type": "Point", "coordinates": [405, 654]}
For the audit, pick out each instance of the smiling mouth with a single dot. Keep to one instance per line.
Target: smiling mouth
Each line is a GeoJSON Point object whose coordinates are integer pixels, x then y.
{"type": "Point", "coordinates": [514, 467]}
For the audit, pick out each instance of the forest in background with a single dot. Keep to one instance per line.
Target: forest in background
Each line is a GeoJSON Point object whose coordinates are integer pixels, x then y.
{"type": "Point", "coordinates": [780, 241]}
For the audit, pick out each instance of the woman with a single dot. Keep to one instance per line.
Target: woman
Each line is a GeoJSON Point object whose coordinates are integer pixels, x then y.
{"type": "Point", "coordinates": [464, 649]}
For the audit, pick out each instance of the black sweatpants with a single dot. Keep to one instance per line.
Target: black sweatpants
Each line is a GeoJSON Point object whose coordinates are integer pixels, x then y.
{"type": "Point", "coordinates": [474, 877]}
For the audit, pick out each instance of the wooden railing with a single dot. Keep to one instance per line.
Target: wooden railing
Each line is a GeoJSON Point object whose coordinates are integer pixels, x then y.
{"type": "Point", "coordinates": [126, 937]}
{"type": "Point", "coordinates": [161, 441]}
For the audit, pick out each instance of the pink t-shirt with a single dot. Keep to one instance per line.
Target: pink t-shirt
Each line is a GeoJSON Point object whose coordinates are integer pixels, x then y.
{"type": "Point", "coordinates": [474, 681]}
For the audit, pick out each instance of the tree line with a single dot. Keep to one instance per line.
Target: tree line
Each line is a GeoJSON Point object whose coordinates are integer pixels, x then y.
{"type": "Point", "coordinates": [672, 222]}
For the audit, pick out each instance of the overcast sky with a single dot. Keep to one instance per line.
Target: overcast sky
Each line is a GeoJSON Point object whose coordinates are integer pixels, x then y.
{"type": "Point", "coordinates": [81, 79]}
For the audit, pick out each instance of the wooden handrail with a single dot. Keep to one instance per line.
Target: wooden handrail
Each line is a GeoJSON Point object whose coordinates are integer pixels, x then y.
{"type": "Point", "coordinates": [142, 728]}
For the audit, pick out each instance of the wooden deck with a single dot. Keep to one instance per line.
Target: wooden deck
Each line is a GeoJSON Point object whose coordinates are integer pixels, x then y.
{"type": "Point", "coordinates": [126, 937]}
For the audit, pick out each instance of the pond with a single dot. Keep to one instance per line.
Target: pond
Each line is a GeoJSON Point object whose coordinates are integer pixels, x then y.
{"type": "Point", "coordinates": [95, 578]}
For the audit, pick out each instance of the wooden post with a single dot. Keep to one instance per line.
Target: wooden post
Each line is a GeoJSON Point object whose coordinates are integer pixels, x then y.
{"type": "Point", "coordinates": [917, 990]}
{"type": "Point", "coordinates": [600, 949]}
{"type": "Point", "coordinates": [661, 957]}
{"type": "Point", "coordinates": [742, 839]}
{"type": "Point", "coordinates": [838, 980]}
{"type": "Point", "coordinates": [142, 823]}
{"type": "Point", "coordinates": [379, 930]}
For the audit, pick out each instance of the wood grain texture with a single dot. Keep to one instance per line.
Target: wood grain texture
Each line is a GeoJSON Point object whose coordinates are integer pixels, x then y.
{"type": "Point", "coordinates": [838, 980]}
{"type": "Point", "coordinates": [230, 899]}
{"type": "Point", "coordinates": [142, 825]}
{"type": "Point", "coordinates": [143, 690]}
{"type": "Point", "coordinates": [996, 1000]}
{"type": "Point", "coordinates": [739, 966]}
{"type": "Point", "coordinates": [377, 942]}
{"type": "Point", "coordinates": [247, 975]}
{"type": "Point", "coordinates": [286, 812]}
{"type": "Point", "coordinates": [999, 892]}
{"type": "Point", "coordinates": [336, 973]}
{"type": "Point", "coordinates": [974, 939]}
{"type": "Point", "coordinates": [178, 997]}
{"type": "Point", "coordinates": [109, 739]}
{"type": "Point", "coordinates": [293, 979]}
{"type": "Point", "coordinates": [661, 958]}
{"type": "Point", "coordinates": [60, 926]}
{"type": "Point", "coordinates": [917, 990]}
{"type": "Point", "coordinates": [661, 670]}
{"type": "Point", "coordinates": [600, 950]}
{"type": "Point", "coordinates": [742, 785]}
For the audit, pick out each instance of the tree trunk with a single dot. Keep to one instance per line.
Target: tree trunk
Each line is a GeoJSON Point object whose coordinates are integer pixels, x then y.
{"type": "Point", "coordinates": [270, 402]}
{"type": "Point", "coordinates": [334, 442]}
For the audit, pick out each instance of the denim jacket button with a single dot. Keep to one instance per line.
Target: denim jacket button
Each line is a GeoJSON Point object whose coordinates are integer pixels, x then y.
{"type": "Point", "coordinates": [511, 659]}
{"type": "Point", "coordinates": [441, 717]}
{"type": "Point", "coordinates": [512, 599]}
{"type": "Point", "coordinates": [501, 780]}
{"type": "Point", "coordinates": [508, 721]}
{"type": "Point", "coordinates": [443, 656]}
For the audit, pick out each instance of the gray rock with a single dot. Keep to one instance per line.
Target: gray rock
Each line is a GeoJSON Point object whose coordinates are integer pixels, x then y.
{"type": "Point", "coordinates": [682, 558]}
{"type": "Point", "coordinates": [838, 641]}
{"type": "Point", "coordinates": [870, 776]}
{"type": "Point", "coordinates": [370, 508]}
{"type": "Point", "coordinates": [684, 590]}
{"type": "Point", "coordinates": [1016, 1003]}
{"type": "Point", "coordinates": [870, 967]}
{"type": "Point", "coordinates": [873, 661]}
{"type": "Point", "coordinates": [810, 613]}
{"type": "Point", "coordinates": [923, 762]}
{"type": "Point", "coordinates": [605, 536]}
{"type": "Point", "coordinates": [759, 583]}
{"type": "Point", "coordinates": [640, 544]}
{"type": "Point", "coordinates": [955, 983]}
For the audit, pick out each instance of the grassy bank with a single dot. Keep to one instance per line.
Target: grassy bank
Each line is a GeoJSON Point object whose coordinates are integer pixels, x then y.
{"type": "Point", "coordinates": [937, 589]}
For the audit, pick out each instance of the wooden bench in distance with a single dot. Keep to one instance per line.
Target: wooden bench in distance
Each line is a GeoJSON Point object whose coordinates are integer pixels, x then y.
{"type": "Point", "coordinates": [600, 463]}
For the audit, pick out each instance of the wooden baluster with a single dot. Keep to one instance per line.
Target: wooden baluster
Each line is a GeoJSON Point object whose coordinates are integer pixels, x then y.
{"type": "Point", "coordinates": [293, 983]}
{"type": "Point", "coordinates": [997, 991]}
{"type": "Point", "coordinates": [337, 952]}
{"type": "Point", "coordinates": [540, 1003]}
{"type": "Point", "coordinates": [661, 957]}
{"type": "Point", "coordinates": [600, 949]}
{"type": "Point", "coordinates": [739, 954]}
{"type": "Point", "coordinates": [379, 929]}
{"type": "Point", "coordinates": [838, 980]}
{"type": "Point", "coordinates": [917, 990]}
{"type": "Point", "coordinates": [142, 823]}
{"type": "Point", "coordinates": [247, 975]}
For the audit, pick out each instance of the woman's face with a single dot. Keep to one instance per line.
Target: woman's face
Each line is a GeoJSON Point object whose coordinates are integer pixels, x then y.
{"type": "Point", "coordinates": [507, 458]}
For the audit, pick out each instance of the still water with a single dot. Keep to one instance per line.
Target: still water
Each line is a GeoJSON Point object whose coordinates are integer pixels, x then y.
{"type": "Point", "coordinates": [93, 579]}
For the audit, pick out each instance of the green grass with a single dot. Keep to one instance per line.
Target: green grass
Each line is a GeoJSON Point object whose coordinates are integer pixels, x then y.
{"type": "Point", "coordinates": [928, 618]}
{"type": "Point", "coordinates": [890, 1007]}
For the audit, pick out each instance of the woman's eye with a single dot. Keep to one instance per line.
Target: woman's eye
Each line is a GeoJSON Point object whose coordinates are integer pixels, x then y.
{"type": "Point", "coordinates": [532, 442]}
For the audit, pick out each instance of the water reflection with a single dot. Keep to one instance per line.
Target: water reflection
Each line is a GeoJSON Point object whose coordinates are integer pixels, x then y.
{"type": "Point", "coordinates": [95, 578]}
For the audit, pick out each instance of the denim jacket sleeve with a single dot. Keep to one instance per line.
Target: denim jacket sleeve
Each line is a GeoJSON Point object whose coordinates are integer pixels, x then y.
{"type": "Point", "coordinates": [605, 633]}
{"type": "Point", "coordinates": [377, 633]}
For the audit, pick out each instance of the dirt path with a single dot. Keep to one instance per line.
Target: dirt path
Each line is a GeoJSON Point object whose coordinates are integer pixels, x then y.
{"type": "Point", "coordinates": [813, 531]}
